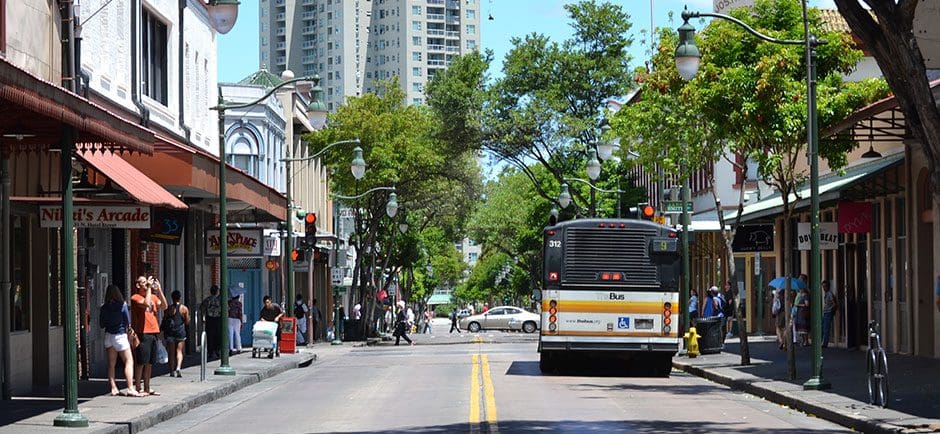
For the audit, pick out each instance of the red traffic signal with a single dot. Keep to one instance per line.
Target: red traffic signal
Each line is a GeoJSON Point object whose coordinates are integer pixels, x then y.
{"type": "Point", "coordinates": [297, 255]}
{"type": "Point", "coordinates": [647, 212]}
{"type": "Point", "coordinates": [310, 229]}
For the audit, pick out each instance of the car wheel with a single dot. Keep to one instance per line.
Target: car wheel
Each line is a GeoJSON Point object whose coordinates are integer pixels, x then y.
{"type": "Point", "coordinates": [474, 327]}
{"type": "Point", "coordinates": [528, 327]}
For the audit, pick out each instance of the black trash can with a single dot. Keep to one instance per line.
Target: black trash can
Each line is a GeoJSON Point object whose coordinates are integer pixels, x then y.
{"type": "Point", "coordinates": [352, 330]}
{"type": "Point", "coordinates": [709, 329]}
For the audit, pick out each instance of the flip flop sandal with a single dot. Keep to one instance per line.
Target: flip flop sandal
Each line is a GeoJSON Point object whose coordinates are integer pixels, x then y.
{"type": "Point", "coordinates": [153, 393]}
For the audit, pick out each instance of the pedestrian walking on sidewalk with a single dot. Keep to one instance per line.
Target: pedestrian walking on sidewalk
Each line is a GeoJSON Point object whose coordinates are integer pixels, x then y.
{"type": "Point", "coordinates": [301, 312]}
{"type": "Point", "coordinates": [780, 319]}
{"type": "Point", "coordinates": [710, 307]}
{"type": "Point", "coordinates": [145, 304]}
{"type": "Point", "coordinates": [235, 325]}
{"type": "Point", "coordinates": [211, 311]}
{"type": "Point", "coordinates": [453, 321]}
{"type": "Point", "coordinates": [802, 317]}
{"type": "Point", "coordinates": [175, 320]}
{"type": "Point", "coordinates": [401, 324]}
{"type": "Point", "coordinates": [829, 310]}
{"type": "Point", "coordinates": [115, 319]}
{"type": "Point", "coordinates": [428, 316]}
{"type": "Point", "coordinates": [693, 307]}
{"type": "Point", "coordinates": [727, 309]}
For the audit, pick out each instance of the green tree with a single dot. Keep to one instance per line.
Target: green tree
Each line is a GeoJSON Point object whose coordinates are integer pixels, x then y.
{"type": "Point", "coordinates": [545, 109]}
{"type": "Point", "coordinates": [748, 99]}
{"type": "Point", "coordinates": [436, 180]}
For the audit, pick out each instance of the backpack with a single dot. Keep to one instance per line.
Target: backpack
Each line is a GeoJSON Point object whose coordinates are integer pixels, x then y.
{"type": "Point", "coordinates": [299, 311]}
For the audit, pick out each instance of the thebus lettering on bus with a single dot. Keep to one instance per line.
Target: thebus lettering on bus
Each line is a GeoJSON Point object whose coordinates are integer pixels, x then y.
{"type": "Point", "coordinates": [615, 296]}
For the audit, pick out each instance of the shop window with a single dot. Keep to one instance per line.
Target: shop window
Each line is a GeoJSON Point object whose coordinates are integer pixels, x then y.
{"type": "Point", "coordinates": [154, 57]}
{"type": "Point", "coordinates": [55, 277]}
{"type": "Point", "coordinates": [19, 267]}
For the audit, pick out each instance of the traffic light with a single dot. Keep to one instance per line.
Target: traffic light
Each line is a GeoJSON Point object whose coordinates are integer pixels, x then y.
{"type": "Point", "coordinates": [310, 229]}
{"type": "Point", "coordinates": [647, 212]}
{"type": "Point", "coordinates": [297, 255]}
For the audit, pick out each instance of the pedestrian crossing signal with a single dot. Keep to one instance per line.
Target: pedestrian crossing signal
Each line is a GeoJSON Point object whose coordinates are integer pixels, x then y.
{"type": "Point", "coordinates": [297, 255]}
{"type": "Point", "coordinates": [647, 212]}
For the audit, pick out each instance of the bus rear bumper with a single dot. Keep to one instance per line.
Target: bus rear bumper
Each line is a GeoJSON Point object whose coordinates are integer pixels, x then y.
{"type": "Point", "coordinates": [666, 345]}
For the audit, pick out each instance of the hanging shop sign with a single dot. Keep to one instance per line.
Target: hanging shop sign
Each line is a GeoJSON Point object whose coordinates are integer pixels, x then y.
{"type": "Point", "coordinates": [272, 245]}
{"type": "Point", "coordinates": [167, 227]}
{"type": "Point", "coordinates": [854, 217]}
{"type": "Point", "coordinates": [241, 243]}
{"type": "Point", "coordinates": [725, 6]}
{"type": "Point", "coordinates": [753, 238]}
{"type": "Point", "coordinates": [118, 217]}
{"type": "Point", "coordinates": [828, 236]}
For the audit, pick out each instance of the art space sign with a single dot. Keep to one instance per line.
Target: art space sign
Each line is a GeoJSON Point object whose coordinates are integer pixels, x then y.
{"type": "Point", "coordinates": [118, 217]}
{"type": "Point", "coordinates": [828, 236]}
{"type": "Point", "coordinates": [241, 243]}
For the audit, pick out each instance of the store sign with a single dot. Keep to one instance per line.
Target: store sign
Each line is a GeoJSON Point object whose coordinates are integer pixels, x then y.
{"type": "Point", "coordinates": [725, 6]}
{"type": "Point", "coordinates": [753, 238]}
{"type": "Point", "coordinates": [828, 236]}
{"type": "Point", "coordinates": [241, 243]}
{"type": "Point", "coordinates": [854, 217]}
{"type": "Point", "coordinates": [272, 246]}
{"type": "Point", "coordinates": [118, 217]}
{"type": "Point", "coordinates": [167, 227]}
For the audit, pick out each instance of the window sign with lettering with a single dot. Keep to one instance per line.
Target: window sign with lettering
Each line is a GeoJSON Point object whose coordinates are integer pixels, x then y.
{"type": "Point", "coordinates": [828, 236]}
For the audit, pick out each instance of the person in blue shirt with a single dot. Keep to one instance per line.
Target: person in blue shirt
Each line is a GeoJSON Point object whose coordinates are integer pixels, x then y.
{"type": "Point", "coordinates": [115, 319]}
{"type": "Point", "coordinates": [693, 307]}
{"type": "Point", "coordinates": [712, 306]}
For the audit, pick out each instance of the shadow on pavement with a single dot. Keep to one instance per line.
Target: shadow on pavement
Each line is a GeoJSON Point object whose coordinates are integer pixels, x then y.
{"type": "Point", "coordinates": [914, 381]}
{"type": "Point", "coordinates": [570, 426]}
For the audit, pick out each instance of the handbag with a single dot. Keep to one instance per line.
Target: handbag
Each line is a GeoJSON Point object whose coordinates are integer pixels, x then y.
{"type": "Point", "coordinates": [133, 339]}
{"type": "Point", "coordinates": [162, 356]}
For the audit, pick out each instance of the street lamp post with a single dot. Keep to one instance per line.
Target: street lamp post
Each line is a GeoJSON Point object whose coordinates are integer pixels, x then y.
{"type": "Point", "coordinates": [593, 189]}
{"type": "Point", "coordinates": [224, 367]}
{"type": "Point", "coordinates": [687, 62]}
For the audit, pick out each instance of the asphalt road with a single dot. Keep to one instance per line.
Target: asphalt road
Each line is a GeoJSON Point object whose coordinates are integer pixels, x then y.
{"type": "Point", "coordinates": [480, 385]}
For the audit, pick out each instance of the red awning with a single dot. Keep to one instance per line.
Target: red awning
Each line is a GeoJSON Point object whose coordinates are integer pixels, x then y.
{"type": "Point", "coordinates": [33, 111]}
{"type": "Point", "coordinates": [138, 185]}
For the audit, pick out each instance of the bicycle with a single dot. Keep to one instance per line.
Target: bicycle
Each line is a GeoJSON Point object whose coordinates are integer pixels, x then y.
{"type": "Point", "coordinates": [878, 393]}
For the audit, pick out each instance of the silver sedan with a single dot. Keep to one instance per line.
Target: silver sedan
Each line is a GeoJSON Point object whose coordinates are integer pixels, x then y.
{"type": "Point", "coordinates": [500, 317]}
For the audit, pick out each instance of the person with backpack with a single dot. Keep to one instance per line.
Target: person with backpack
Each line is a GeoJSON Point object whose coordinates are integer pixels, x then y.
{"type": "Point", "coordinates": [235, 325]}
{"type": "Point", "coordinates": [175, 320]}
{"type": "Point", "coordinates": [453, 321]}
{"type": "Point", "coordinates": [301, 312]}
{"type": "Point", "coordinates": [402, 327]}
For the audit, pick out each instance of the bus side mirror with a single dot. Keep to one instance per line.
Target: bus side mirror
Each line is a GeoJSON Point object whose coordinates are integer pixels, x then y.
{"type": "Point", "coordinates": [537, 295]}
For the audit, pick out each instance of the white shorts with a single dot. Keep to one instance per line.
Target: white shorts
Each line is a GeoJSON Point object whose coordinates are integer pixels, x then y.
{"type": "Point", "coordinates": [119, 342]}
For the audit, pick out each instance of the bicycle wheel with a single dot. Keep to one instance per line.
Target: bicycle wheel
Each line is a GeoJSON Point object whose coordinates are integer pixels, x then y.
{"type": "Point", "coordinates": [883, 391]}
{"type": "Point", "coordinates": [872, 380]}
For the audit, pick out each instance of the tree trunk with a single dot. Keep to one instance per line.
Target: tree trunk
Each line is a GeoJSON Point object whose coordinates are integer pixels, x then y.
{"type": "Point", "coordinates": [728, 237]}
{"type": "Point", "coordinates": [893, 45]}
{"type": "Point", "coordinates": [787, 290]}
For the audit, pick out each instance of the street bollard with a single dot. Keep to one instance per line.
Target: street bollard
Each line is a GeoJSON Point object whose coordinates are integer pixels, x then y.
{"type": "Point", "coordinates": [691, 342]}
{"type": "Point", "coordinates": [203, 354]}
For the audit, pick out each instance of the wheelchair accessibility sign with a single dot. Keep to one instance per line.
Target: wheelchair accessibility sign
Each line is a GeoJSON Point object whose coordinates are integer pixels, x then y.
{"type": "Point", "coordinates": [623, 322]}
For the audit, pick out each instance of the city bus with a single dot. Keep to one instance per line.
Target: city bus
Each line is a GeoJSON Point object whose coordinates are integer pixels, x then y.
{"type": "Point", "coordinates": [610, 287]}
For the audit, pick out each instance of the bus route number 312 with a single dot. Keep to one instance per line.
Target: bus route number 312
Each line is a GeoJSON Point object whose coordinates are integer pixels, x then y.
{"type": "Point", "coordinates": [554, 244]}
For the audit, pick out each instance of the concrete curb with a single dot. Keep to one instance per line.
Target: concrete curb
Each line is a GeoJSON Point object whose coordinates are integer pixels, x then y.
{"type": "Point", "coordinates": [806, 401]}
{"type": "Point", "coordinates": [171, 410]}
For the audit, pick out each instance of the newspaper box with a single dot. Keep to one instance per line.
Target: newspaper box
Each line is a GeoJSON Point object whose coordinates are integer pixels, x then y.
{"type": "Point", "coordinates": [288, 335]}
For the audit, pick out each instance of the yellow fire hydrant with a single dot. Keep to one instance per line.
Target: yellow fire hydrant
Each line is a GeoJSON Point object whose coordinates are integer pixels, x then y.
{"type": "Point", "coordinates": [691, 342]}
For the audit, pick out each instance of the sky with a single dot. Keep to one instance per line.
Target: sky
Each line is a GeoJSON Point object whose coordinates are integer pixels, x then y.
{"type": "Point", "coordinates": [238, 50]}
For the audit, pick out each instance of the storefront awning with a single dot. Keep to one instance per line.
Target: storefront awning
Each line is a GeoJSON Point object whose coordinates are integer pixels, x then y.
{"type": "Point", "coordinates": [829, 187]}
{"type": "Point", "coordinates": [704, 222]}
{"type": "Point", "coordinates": [439, 299]}
{"type": "Point", "coordinates": [33, 111]}
{"type": "Point", "coordinates": [135, 183]}
{"type": "Point", "coordinates": [194, 172]}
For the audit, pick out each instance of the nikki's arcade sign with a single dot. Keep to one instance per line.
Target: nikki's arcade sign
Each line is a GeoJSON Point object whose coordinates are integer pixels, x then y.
{"type": "Point", "coordinates": [118, 217]}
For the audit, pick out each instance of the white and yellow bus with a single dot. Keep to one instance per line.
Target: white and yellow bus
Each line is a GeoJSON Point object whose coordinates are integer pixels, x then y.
{"type": "Point", "coordinates": [610, 286]}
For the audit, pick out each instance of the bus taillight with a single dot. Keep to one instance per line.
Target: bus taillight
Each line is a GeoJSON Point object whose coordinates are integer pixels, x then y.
{"type": "Point", "coordinates": [667, 317]}
{"type": "Point", "coordinates": [552, 315]}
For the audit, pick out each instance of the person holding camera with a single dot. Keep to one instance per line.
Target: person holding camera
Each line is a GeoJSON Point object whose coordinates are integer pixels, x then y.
{"type": "Point", "coordinates": [145, 304]}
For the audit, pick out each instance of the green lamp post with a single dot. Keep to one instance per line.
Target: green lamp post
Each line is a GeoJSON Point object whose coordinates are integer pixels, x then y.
{"type": "Point", "coordinates": [687, 62]}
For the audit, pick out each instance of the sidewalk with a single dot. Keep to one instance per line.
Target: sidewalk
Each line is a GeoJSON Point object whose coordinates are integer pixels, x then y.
{"type": "Point", "coordinates": [117, 414]}
{"type": "Point", "coordinates": [914, 384]}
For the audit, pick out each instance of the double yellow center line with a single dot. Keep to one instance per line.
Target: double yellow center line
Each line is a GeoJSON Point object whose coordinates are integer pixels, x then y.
{"type": "Point", "coordinates": [481, 383]}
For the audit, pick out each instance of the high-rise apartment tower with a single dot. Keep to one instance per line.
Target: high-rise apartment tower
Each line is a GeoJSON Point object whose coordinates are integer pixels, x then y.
{"type": "Point", "coordinates": [352, 43]}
